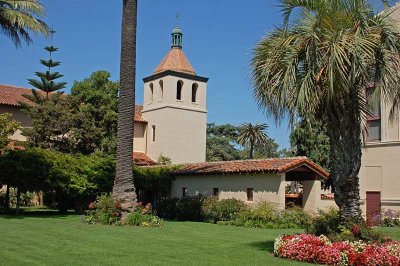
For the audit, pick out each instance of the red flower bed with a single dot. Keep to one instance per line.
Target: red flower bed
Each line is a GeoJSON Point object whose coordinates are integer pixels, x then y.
{"type": "Point", "coordinates": [314, 249]}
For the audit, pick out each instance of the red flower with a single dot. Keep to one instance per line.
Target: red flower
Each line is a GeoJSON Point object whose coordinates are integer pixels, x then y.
{"type": "Point", "coordinates": [356, 230]}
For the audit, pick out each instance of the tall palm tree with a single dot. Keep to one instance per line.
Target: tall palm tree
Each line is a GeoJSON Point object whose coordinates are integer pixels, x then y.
{"type": "Point", "coordinates": [251, 135]}
{"type": "Point", "coordinates": [318, 65]}
{"type": "Point", "coordinates": [124, 189]}
{"type": "Point", "coordinates": [19, 17]}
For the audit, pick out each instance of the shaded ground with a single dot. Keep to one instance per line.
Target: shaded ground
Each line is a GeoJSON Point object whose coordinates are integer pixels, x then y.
{"type": "Point", "coordinates": [51, 239]}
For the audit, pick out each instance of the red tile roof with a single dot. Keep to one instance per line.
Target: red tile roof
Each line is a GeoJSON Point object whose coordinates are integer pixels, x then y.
{"type": "Point", "coordinates": [273, 165]}
{"type": "Point", "coordinates": [175, 60]}
{"type": "Point", "coordinates": [12, 95]}
{"type": "Point", "coordinates": [141, 159]}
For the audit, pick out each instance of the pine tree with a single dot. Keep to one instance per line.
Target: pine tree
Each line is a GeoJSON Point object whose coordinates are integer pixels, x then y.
{"type": "Point", "coordinates": [46, 81]}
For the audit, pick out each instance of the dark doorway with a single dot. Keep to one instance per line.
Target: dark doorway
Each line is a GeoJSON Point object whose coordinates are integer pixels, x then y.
{"type": "Point", "coordinates": [373, 207]}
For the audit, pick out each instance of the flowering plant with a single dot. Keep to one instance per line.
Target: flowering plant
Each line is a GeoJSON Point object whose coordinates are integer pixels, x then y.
{"type": "Point", "coordinates": [314, 249]}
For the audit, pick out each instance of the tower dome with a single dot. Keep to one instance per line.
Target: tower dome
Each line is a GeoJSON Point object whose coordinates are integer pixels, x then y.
{"type": "Point", "coordinates": [175, 59]}
{"type": "Point", "coordinates": [177, 37]}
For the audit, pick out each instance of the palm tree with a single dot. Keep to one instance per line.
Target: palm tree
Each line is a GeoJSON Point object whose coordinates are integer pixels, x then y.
{"type": "Point", "coordinates": [318, 65]}
{"type": "Point", "coordinates": [251, 135]}
{"type": "Point", "coordinates": [19, 17]}
{"type": "Point", "coordinates": [124, 189]}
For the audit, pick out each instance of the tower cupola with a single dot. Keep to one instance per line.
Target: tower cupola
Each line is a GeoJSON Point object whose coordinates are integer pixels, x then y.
{"type": "Point", "coordinates": [176, 37]}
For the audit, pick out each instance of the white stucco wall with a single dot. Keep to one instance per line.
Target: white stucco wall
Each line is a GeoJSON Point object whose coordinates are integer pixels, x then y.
{"type": "Point", "coordinates": [266, 187]}
{"type": "Point", "coordinates": [139, 140]}
{"type": "Point", "coordinates": [380, 171]}
{"type": "Point", "coordinates": [180, 124]}
{"type": "Point", "coordinates": [325, 204]}
{"type": "Point", "coordinates": [312, 195]}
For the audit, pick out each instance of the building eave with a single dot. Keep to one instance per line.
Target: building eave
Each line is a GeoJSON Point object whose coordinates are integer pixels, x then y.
{"type": "Point", "coordinates": [176, 74]}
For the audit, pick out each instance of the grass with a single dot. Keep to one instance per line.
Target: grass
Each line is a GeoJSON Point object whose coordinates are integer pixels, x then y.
{"type": "Point", "coordinates": [43, 238]}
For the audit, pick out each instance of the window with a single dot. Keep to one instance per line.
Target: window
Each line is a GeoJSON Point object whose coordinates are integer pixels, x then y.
{"type": "Point", "coordinates": [374, 116]}
{"type": "Point", "coordinates": [215, 192]}
{"type": "Point", "coordinates": [179, 86]}
{"type": "Point", "coordinates": [151, 97]}
{"type": "Point", "coordinates": [194, 92]}
{"type": "Point", "coordinates": [184, 192]}
{"type": "Point", "coordinates": [153, 133]}
{"type": "Point", "coordinates": [161, 89]}
{"type": "Point", "coordinates": [250, 194]}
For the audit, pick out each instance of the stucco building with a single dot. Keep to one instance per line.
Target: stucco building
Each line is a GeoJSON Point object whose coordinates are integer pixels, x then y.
{"type": "Point", "coordinates": [253, 180]}
{"type": "Point", "coordinates": [171, 122]}
{"type": "Point", "coordinates": [380, 170]}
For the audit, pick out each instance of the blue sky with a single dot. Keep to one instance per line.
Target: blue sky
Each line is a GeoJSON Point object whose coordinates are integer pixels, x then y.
{"type": "Point", "coordinates": [218, 40]}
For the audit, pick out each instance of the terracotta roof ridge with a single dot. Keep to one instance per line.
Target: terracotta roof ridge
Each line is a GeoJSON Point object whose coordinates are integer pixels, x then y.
{"type": "Point", "coordinates": [14, 86]}
{"type": "Point", "coordinates": [253, 160]}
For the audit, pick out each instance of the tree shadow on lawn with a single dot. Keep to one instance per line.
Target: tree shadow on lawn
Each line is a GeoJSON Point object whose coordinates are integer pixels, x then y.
{"type": "Point", "coordinates": [264, 246]}
{"type": "Point", "coordinates": [34, 213]}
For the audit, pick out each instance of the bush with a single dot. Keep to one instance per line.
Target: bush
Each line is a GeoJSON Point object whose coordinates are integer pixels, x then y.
{"type": "Point", "coordinates": [143, 216]}
{"type": "Point", "coordinates": [329, 223]}
{"type": "Point", "coordinates": [215, 210]}
{"type": "Point", "coordinates": [104, 211]}
{"type": "Point", "coordinates": [166, 208]}
{"type": "Point", "coordinates": [294, 217]}
{"type": "Point", "coordinates": [189, 208]}
{"type": "Point", "coordinates": [232, 212]}
{"type": "Point", "coordinates": [390, 218]}
{"type": "Point", "coordinates": [325, 223]}
{"type": "Point", "coordinates": [183, 209]}
{"type": "Point", "coordinates": [69, 181]}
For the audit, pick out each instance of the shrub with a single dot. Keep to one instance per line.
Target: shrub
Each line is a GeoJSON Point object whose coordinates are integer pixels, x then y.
{"type": "Point", "coordinates": [189, 208]}
{"type": "Point", "coordinates": [166, 208]}
{"type": "Point", "coordinates": [390, 218]}
{"type": "Point", "coordinates": [328, 223]}
{"type": "Point", "coordinates": [143, 216]}
{"type": "Point", "coordinates": [325, 223]}
{"type": "Point", "coordinates": [215, 210]}
{"type": "Point", "coordinates": [183, 209]}
{"type": "Point", "coordinates": [104, 211]}
{"type": "Point", "coordinates": [294, 217]}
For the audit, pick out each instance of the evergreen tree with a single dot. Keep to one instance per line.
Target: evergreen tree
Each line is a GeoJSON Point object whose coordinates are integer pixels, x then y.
{"type": "Point", "coordinates": [46, 81]}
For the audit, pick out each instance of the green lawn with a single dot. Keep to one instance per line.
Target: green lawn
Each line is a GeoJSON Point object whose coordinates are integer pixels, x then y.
{"type": "Point", "coordinates": [65, 240]}
{"type": "Point", "coordinates": [47, 239]}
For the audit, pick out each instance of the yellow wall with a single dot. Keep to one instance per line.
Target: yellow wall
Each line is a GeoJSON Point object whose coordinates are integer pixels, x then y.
{"type": "Point", "coordinates": [139, 140]}
{"type": "Point", "coordinates": [380, 171]}
{"type": "Point", "coordinates": [266, 187]}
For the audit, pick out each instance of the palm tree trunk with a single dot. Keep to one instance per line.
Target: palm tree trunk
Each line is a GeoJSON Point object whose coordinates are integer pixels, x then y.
{"type": "Point", "coordinates": [124, 189]}
{"type": "Point", "coordinates": [345, 160]}
{"type": "Point", "coordinates": [251, 150]}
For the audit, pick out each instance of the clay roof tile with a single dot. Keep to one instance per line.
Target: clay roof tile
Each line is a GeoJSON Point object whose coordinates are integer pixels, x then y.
{"type": "Point", "coordinates": [273, 165]}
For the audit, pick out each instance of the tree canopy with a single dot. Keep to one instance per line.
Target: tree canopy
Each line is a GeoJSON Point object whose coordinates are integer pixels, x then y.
{"type": "Point", "coordinates": [251, 135]}
{"type": "Point", "coordinates": [84, 121]}
{"type": "Point", "coordinates": [19, 18]}
{"type": "Point", "coordinates": [222, 145]}
{"type": "Point", "coordinates": [7, 128]}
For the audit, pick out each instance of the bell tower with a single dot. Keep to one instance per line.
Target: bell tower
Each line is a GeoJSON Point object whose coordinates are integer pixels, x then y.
{"type": "Point", "coordinates": [175, 108]}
